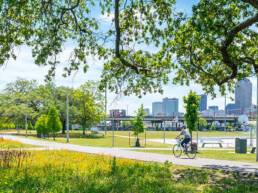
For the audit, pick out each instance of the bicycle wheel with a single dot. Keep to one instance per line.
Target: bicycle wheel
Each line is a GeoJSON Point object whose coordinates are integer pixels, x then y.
{"type": "Point", "coordinates": [190, 151]}
{"type": "Point", "coordinates": [177, 150]}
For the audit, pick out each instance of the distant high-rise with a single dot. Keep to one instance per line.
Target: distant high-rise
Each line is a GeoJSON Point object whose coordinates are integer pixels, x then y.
{"type": "Point", "coordinates": [243, 95]}
{"type": "Point", "coordinates": [214, 108]}
{"type": "Point", "coordinates": [157, 108]}
{"type": "Point", "coordinates": [170, 106]}
{"type": "Point", "coordinates": [147, 111]}
{"type": "Point", "coordinates": [203, 102]}
{"type": "Point", "coordinates": [231, 109]}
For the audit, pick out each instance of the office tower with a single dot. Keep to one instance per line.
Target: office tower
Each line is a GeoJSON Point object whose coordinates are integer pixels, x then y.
{"type": "Point", "coordinates": [243, 95]}
{"type": "Point", "coordinates": [147, 111]}
{"type": "Point", "coordinates": [170, 106]}
{"type": "Point", "coordinates": [231, 109]}
{"type": "Point", "coordinates": [203, 102]}
{"type": "Point", "coordinates": [157, 108]}
{"type": "Point", "coordinates": [213, 108]}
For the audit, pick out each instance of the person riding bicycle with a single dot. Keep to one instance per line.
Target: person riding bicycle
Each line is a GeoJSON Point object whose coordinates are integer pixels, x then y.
{"type": "Point", "coordinates": [187, 136]}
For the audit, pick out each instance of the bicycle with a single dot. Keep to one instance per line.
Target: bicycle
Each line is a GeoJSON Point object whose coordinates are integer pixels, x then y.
{"type": "Point", "coordinates": [188, 150]}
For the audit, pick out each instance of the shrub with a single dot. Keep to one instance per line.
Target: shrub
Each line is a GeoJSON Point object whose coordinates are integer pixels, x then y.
{"type": "Point", "coordinates": [41, 125]}
{"type": "Point", "coordinates": [53, 121]}
{"type": "Point", "coordinates": [212, 128]}
{"type": "Point", "coordinates": [30, 127]}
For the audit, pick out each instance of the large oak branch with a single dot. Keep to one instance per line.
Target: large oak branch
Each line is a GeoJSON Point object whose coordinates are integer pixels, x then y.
{"type": "Point", "coordinates": [254, 3]}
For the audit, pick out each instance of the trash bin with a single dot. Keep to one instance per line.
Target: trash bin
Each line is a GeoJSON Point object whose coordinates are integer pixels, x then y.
{"type": "Point", "coordinates": [240, 145]}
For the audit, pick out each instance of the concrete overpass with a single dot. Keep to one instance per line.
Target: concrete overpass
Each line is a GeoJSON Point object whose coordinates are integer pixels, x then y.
{"type": "Point", "coordinates": [172, 118]}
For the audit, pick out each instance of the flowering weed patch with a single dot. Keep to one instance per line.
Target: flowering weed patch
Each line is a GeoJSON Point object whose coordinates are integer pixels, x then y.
{"type": "Point", "coordinates": [64, 171]}
{"type": "Point", "coordinates": [6, 144]}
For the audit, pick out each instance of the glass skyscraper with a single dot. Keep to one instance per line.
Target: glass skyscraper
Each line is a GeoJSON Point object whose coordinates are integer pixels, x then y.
{"type": "Point", "coordinates": [170, 106]}
{"type": "Point", "coordinates": [203, 102]}
{"type": "Point", "coordinates": [157, 108]}
{"type": "Point", "coordinates": [243, 96]}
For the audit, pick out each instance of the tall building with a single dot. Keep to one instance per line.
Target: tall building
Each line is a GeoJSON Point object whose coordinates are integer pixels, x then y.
{"type": "Point", "coordinates": [170, 106]}
{"type": "Point", "coordinates": [117, 113]}
{"type": "Point", "coordinates": [231, 109]}
{"type": "Point", "coordinates": [203, 102]}
{"type": "Point", "coordinates": [213, 108]}
{"type": "Point", "coordinates": [147, 111]}
{"type": "Point", "coordinates": [157, 108]}
{"type": "Point", "coordinates": [243, 95]}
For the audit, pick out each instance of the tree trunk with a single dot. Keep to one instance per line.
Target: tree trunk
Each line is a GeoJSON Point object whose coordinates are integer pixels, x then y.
{"type": "Point", "coordinates": [83, 129]}
{"type": "Point", "coordinates": [63, 129]}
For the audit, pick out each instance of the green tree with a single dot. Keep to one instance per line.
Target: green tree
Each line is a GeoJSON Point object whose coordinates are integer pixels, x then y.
{"type": "Point", "coordinates": [212, 128]}
{"type": "Point", "coordinates": [89, 102]}
{"type": "Point", "coordinates": [229, 127]}
{"type": "Point", "coordinates": [53, 121]}
{"type": "Point", "coordinates": [30, 127]}
{"type": "Point", "coordinates": [126, 124]}
{"type": "Point", "coordinates": [217, 45]}
{"type": "Point", "coordinates": [191, 115]}
{"type": "Point", "coordinates": [56, 22]}
{"type": "Point", "coordinates": [41, 125]}
{"type": "Point", "coordinates": [138, 125]}
{"type": "Point", "coordinates": [202, 123]}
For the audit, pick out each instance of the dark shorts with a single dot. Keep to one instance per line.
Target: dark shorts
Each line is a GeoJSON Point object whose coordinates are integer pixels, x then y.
{"type": "Point", "coordinates": [185, 141]}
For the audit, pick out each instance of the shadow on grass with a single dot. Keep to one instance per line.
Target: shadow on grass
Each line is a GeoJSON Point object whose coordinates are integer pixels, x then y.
{"type": "Point", "coordinates": [220, 181]}
{"type": "Point", "coordinates": [244, 172]}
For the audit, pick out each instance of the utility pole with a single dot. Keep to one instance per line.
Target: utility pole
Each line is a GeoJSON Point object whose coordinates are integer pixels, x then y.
{"type": "Point", "coordinates": [257, 119]}
{"type": "Point", "coordinates": [225, 112]}
{"type": "Point", "coordinates": [26, 119]}
{"type": "Point", "coordinates": [251, 128]}
{"type": "Point", "coordinates": [106, 109]}
{"type": "Point", "coordinates": [67, 116]}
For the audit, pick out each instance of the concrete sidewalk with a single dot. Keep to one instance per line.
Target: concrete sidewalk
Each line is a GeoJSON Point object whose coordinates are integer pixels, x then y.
{"type": "Point", "coordinates": [240, 167]}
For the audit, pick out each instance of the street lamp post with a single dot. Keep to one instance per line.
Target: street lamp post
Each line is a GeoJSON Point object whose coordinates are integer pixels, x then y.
{"type": "Point", "coordinates": [67, 116]}
{"type": "Point", "coordinates": [106, 109]}
{"type": "Point", "coordinates": [257, 119]}
{"type": "Point", "coordinates": [26, 119]}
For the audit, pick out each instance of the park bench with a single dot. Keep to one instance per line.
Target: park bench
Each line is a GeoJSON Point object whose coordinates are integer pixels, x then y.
{"type": "Point", "coordinates": [205, 141]}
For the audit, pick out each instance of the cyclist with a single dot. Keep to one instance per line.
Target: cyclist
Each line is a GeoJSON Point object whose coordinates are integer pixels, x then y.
{"type": "Point", "coordinates": [187, 136]}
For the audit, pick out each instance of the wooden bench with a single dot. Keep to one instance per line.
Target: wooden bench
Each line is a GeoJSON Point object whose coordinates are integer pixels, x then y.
{"type": "Point", "coordinates": [205, 141]}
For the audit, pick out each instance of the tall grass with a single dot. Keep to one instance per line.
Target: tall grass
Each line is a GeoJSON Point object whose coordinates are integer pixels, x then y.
{"type": "Point", "coordinates": [64, 171]}
{"type": "Point", "coordinates": [6, 144]}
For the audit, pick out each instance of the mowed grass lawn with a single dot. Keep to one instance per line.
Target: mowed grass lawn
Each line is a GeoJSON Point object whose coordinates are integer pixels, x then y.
{"type": "Point", "coordinates": [229, 155]}
{"type": "Point", "coordinates": [99, 141]}
{"type": "Point", "coordinates": [173, 134]}
{"type": "Point", "coordinates": [64, 171]}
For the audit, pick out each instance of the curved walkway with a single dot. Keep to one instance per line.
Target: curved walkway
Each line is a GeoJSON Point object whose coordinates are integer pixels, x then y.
{"type": "Point", "coordinates": [240, 167]}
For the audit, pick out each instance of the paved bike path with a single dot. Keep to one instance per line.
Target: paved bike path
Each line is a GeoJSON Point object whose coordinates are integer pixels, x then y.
{"type": "Point", "coordinates": [241, 167]}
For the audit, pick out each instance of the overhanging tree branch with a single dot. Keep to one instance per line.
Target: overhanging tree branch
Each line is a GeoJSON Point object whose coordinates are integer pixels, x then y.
{"type": "Point", "coordinates": [254, 3]}
{"type": "Point", "coordinates": [228, 41]}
